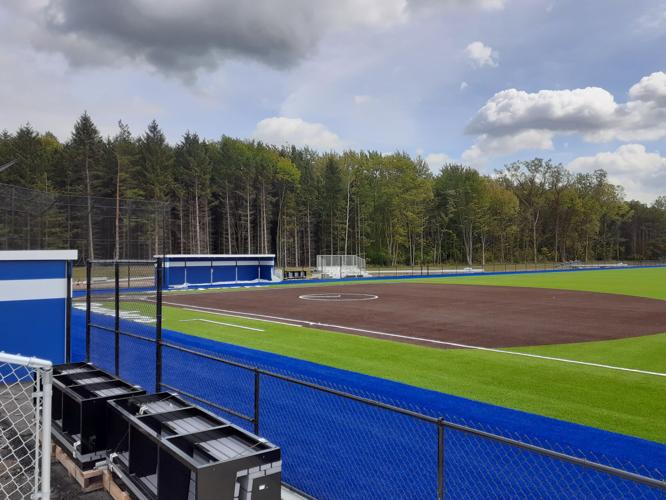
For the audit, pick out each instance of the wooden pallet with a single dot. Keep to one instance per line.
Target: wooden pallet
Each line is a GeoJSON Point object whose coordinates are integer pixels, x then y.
{"type": "Point", "coordinates": [116, 492]}
{"type": "Point", "coordinates": [89, 480]}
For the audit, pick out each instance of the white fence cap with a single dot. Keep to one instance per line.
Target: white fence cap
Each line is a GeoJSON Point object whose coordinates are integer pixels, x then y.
{"type": "Point", "coordinates": [30, 362]}
{"type": "Point", "coordinates": [39, 255]}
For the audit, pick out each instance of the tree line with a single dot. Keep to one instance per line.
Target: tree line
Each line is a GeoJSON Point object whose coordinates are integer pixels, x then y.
{"type": "Point", "coordinates": [239, 196]}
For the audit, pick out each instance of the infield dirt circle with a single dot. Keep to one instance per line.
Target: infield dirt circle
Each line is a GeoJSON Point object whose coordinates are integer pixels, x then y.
{"type": "Point", "coordinates": [489, 316]}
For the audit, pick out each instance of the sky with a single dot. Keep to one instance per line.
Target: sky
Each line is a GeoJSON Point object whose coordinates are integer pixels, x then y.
{"type": "Point", "coordinates": [482, 82]}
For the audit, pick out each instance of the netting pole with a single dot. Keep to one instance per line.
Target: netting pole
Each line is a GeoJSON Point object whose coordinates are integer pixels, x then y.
{"type": "Point", "coordinates": [68, 313]}
{"type": "Point", "coordinates": [257, 392]}
{"type": "Point", "coordinates": [47, 394]}
{"type": "Point", "coordinates": [88, 286]}
{"type": "Point", "coordinates": [440, 459]}
{"type": "Point", "coordinates": [116, 340]}
{"type": "Point", "coordinates": [158, 325]}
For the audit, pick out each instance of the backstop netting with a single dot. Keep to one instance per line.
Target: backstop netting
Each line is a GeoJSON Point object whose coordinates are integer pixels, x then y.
{"type": "Point", "coordinates": [340, 266]}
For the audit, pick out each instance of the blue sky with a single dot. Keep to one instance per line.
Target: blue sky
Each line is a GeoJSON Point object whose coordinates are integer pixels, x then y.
{"type": "Point", "coordinates": [484, 82]}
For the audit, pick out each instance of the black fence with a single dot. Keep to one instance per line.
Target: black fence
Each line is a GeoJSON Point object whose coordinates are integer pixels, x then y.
{"type": "Point", "coordinates": [336, 443]}
{"type": "Point", "coordinates": [95, 226]}
{"type": "Point", "coordinates": [429, 269]}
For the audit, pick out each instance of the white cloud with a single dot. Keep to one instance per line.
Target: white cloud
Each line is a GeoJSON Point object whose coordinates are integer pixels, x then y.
{"type": "Point", "coordinates": [642, 174]}
{"type": "Point", "coordinates": [280, 130]}
{"type": "Point", "coordinates": [183, 41]}
{"type": "Point", "coordinates": [514, 110]}
{"type": "Point", "coordinates": [362, 99]}
{"type": "Point", "coordinates": [488, 145]}
{"type": "Point", "coordinates": [651, 88]}
{"type": "Point", "coordinates": [511, 116]}
{"type": "Point", "coordinates": [436, 161]}
{"type": "Point", "coordinates": [488, 5]}
{"type": "Point", "coordinates": [481, 55]}
{"type": "Point", "coordinates": [464, 85]}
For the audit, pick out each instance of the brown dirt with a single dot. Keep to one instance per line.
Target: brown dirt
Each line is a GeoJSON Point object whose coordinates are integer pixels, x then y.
{"type": "Point", "coordinates": [488, 316]}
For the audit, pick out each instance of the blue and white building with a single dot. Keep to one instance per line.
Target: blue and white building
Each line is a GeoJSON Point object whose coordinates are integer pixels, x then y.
{"type": "Point", "coordinates": [182, 271]}
{"type": "Point", "coordinates": [35, 295]}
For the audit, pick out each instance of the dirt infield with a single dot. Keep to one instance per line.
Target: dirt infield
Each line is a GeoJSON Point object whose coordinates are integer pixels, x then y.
{"type": "Point", "coordinates": [487, 316]}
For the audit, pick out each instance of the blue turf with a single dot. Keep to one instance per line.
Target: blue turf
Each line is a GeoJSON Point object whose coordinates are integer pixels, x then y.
{"type": "Point", "coordinates": [338, 448]}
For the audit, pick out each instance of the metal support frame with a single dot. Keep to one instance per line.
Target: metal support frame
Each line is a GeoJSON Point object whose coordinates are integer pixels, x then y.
{"type": "Point", "coordinates": [88, 303]}
{"type": "Point", "coordinates": [116, 340]}
{"type": "Point", "coordinates": [440, 459]}
{"type": "Point", "coordinates": [257, 393]}
{"type": "Point", "coordinates": [68, 313]}
{"type": "Point", "coordinates": [158, 324]}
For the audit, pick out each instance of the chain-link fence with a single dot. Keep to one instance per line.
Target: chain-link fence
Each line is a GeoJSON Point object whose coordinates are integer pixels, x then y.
{"type": "Point", "coordinates": [122, 314]}
{"type": "Point", "coordinates": [25, 427]}
{"type": "Point", "coordinates": [337, 443]}
{"type": "Point", "coordinates": [445, 268]}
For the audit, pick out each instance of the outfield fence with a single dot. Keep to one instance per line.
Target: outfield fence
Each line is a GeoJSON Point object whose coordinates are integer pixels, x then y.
{"type": "Point", "coordinates": [430, 269]}
{"type": "Point", "coordinates": [335, 441]}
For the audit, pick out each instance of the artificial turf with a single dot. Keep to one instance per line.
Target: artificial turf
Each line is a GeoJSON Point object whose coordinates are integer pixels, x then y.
{"type": "Point", "coordinates": [647, 282]}
{"type": "Point", "coordinates": [624, 402]}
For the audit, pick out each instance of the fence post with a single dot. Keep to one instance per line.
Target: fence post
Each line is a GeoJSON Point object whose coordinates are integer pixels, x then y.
{"type": "Point", "coordinates": [88, 280]}
{"type": "Point", "coordinates": [116, 340]}
{"type": "Point", "coordinates": [68, 314]}
{"type": "Point", "coordinates": [257, 391]}
{"type": "Point", "coordinates": [45, 438]}
{"type": "Point", "coordinates": [158, 325]}
{"type": "Point", "coordinates": [440, 459]}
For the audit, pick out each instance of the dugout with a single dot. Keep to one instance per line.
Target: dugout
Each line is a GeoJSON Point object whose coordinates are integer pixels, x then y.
{"type": "Point", "coordinates": [35, 295]}
{"type": "Point", "coordinates": [183, 271]}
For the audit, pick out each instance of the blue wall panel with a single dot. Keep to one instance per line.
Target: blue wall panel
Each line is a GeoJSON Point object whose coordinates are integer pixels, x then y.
{"type": "Point", "coordinates": [34, 328]}
{"type": "Point", "coordinates": [266, 272]}
{"type": "Point", "coordinates": [224, 273]}
{"type": "Point", "coordinates": [247, 273]}
{"type": "Point", "coordinates": [30, 270]}
{"type": "Point", "coordinates": [198, 274]}
{"type": "Point", "coordinates": [174, 275]}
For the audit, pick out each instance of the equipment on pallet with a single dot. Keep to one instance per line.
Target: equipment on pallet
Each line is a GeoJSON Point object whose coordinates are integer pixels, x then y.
{"type": "Point", "coordinates": [164, 447]}
{"type": "Point", "coordinates": [79, 412]}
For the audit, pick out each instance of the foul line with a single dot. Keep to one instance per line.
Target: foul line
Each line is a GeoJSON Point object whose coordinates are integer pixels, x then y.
{"type": "Point", "coordinates": [224, 324]}
{"type": "Point", "coordinates": [210, 310]}
{"type": "Point", "coordinates": [420, 339]}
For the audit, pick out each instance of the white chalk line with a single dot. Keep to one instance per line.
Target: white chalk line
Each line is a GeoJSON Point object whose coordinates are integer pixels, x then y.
{"type": "Point", "coordinates": [224, 324]}
{"type": "Point", "coordinates": [440, 342]}
{"type": "Point", "coordinates": [209, 310]}
{"type": "Point", "coordinates": [338, 297]}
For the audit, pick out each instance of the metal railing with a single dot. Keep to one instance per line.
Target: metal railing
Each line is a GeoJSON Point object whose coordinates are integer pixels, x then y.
{"type": "Point", "coordinates": [336, 443]}
{"type": "Point", "coordinates": [25, 425]}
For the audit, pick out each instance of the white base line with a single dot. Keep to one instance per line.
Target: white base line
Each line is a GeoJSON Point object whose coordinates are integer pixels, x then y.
{"type": "Point", "coordinates": [224, 324]}
{"type": "Point", "coordinates": [440, 342]}
{"type": "Point", "coordinates": [210, 310]}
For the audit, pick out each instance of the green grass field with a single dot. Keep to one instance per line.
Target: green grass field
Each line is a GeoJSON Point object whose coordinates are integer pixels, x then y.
{"type": "Point", "coordinates": [625, 402]}
{"type": "Point", "coordinates": [650, 283]}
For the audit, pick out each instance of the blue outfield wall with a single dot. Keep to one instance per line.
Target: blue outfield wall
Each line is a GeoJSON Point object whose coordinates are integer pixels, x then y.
{"type": "Point", "coordinates": [339, 448]}
{"type": "Point", "coordinates": [182, 271]}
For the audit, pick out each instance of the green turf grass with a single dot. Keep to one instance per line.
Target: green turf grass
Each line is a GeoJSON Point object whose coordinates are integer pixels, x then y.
{"type": "Point", "coordinates": [623, 402]}
{"type": "Point", "coordinates": [650, 282]}
{"type": "Point", "coordinates": [647, 282]}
